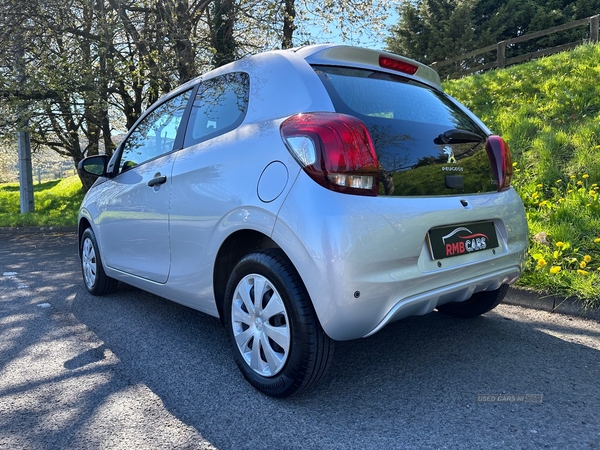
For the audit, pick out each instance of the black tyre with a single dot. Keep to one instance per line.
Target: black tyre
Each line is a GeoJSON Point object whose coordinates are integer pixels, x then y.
{"type": "Point", "coordinates": [95, 279]}
{"type": "Point", "coordinates": [478, 304]}
{"type": "Point", "coordinates": [276, 338]}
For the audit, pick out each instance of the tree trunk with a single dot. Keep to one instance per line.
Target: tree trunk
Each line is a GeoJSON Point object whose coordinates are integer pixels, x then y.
{"type": "Point", "coordinates": [289, 15]}
{"type": "Point", "coordinates": [222, 32]}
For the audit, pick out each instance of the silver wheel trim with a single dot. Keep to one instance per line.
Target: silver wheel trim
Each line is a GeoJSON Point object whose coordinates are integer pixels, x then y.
{"type": "Point", "coordinates": [260, 325]}
{"type": "Point", "coordinates": [88, 262]}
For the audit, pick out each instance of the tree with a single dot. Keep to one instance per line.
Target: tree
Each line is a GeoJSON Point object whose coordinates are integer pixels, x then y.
{"type": "Point", "coordinates": [433, 30]}
{"type": "Point", "coordinates": [88, 59]}
{"type": "Point", "coordinates": [93, 66]}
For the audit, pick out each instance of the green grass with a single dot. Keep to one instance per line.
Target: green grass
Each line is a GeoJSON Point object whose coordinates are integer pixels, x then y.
{"type": "Point", "coordinates": [56, 204]}
{"type": "Point", "coordinates": [549, 113]}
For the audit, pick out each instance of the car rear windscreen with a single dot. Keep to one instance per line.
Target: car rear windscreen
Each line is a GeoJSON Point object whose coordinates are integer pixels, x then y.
{"type": "Point", "coordinates": [425, 143]}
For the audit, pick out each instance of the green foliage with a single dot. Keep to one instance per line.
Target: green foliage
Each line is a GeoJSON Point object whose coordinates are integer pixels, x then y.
{"type": "Point", "coordinates": [434, 30]}
{"type": "Point", "coordinates": [549, 113]}
{"type": "Point", "coordinates": [56, 204]}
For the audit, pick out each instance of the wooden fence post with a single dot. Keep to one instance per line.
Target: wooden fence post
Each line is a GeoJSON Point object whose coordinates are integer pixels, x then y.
{"type": "Point", "coordinates": [594, 25]}
{"type": "Point", "coordinates": [501, 57]}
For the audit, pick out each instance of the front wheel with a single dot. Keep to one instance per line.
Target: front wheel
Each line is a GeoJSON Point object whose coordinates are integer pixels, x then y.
{"type": "Point", "coordinates": [95, 279]}
{"type": "Point", "coordinates": [478, 304]}
{"type": "Point", "coordinates": [277, 340]}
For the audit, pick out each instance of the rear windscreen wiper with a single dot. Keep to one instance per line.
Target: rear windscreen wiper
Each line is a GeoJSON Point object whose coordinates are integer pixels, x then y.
{"type": "Point", "coordinates": [457, 136]}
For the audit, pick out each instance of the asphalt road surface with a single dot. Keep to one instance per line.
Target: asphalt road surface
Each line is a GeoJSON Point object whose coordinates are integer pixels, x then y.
{"type": "Point", "coordinates": [132, 370]}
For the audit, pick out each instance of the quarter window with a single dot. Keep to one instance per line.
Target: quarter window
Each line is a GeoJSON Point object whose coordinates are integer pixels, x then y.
{"type": "Point", "coordinates": [156, 134]}
{"type": "Point", "coordinates": [220, 106]}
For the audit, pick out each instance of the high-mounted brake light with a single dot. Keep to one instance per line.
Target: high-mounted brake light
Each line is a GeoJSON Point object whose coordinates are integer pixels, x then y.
{"type": "Point", "coordinates": [398, 65]}
{"type": "Point", "coordinates": [501, 161]}
{"type": "Point", "coordinates": [335, 150]}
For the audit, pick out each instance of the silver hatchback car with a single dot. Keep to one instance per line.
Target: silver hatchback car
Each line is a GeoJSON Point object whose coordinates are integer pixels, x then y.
{"type": "Point", "coordinates": [306, 196]}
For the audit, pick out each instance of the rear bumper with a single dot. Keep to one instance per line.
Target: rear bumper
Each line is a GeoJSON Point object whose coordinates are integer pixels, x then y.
{"type": "Point", "coordinates": [365, 261]}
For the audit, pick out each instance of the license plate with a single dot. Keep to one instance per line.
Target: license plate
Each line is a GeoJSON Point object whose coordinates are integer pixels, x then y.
{"type": "Point", "coordinates": [457, 240]}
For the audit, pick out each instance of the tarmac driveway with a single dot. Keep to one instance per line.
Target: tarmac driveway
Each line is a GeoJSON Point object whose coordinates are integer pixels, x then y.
{"type": "Point", "coordinates": [132, 370]}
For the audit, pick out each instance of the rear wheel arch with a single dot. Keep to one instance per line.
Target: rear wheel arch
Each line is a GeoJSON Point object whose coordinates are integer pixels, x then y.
{"type": "Point", "coordinates": [232, 250]}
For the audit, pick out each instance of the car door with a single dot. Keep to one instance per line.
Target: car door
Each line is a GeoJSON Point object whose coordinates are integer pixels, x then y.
{"type": "Point", "coordinates": [133, 224]}
{"type": "Point", "coordinates": [203, 190]}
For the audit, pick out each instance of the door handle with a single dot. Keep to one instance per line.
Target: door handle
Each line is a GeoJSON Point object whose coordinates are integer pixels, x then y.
{"type": "Point", "coordinates": [158, 179]}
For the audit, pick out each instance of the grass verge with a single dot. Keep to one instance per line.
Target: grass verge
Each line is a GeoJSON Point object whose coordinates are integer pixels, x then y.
{"type": "Point", "coordinates": [56, 204]}
{"type": "Point", "coordinates": [549, 112]}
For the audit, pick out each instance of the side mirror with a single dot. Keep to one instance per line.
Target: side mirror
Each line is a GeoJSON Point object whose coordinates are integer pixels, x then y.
{"type": "Point", "coordinates": [94, 165]}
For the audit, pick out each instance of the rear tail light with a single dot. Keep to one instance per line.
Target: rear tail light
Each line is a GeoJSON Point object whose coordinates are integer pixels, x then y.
{"type": "Point", "coordinates": [335, 150]}
{"type": "Point", "coordinates": [499, 154]}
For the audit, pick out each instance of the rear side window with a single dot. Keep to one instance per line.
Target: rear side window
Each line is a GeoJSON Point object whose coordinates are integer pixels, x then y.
{"type": "Point", "coordinates": [412, 127]}
{"type": "Point", "coordinates": [220, 106]}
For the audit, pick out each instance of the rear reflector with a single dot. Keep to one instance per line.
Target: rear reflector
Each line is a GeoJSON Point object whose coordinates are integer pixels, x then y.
{"type": "Point", "coordinates": [397, 65]}
{"type": "Point", "coordinates": [335, 150]}
{"type": "Point", "coordinates": [500, 160]}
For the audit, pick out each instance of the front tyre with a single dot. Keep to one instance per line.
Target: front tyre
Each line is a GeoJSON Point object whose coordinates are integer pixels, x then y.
{"type": "Point", "coordinates": [478, 304]}
{"type": "Point", "coordinates": [277, 340]}
{"type": "Point", "coordinates": [95, 279]}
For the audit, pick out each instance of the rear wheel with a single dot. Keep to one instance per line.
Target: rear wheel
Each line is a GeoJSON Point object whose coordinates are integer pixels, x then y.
{"type": "Point", "coordinates": [277, 340]}
{"type": "Point", "coordinates": [95, 279]}
{"type": "Point", "coordinates": [478, 304]}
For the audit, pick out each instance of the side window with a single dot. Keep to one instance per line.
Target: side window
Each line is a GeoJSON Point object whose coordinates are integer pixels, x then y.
{"type": "Point", "coordinates": [155, 135]}
{"type": "Point", "coordinates": [220, 106]}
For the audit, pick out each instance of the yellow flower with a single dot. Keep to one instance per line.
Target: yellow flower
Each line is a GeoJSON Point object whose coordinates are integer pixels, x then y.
{"type": "Point", "coordinates": [514, 164]}
{"type": "Point", "coordinates": [556, 254]}
{"type": "Point", "coordinates": [542, 262]}
{"type": "Point", "coordinates": [556, 269]}
{"type": "Point", "coordinates": [595, 184]}
{"type": "Point", "coordinates": [560, 200]}
{"type": "Point", "coordinates": [572, 176]}
{"type": "Point", "coordinates": [582, 265]}
{"type": "Point", "coordinates": [559, 181]}
{"type": "Point", "coordinates": [582, 272]}
{"type": "Point", "coordinates": [592, 193]}
{"type": "Point", "coordinates": [585, 175]}
{"type": "Point", "coordinates": [597, 240]}
{"type": "Point", "coordinates": [561, 244]}
{"type": "Point", "coordinates": [570, 191]}
{"type": "Point", "coordinates": [540, 185]}
{"type": "Point", "coordinates": [579, 183]}
{"type": "Point", "coordinates": [534, 195]}
{"type": "Point", "coordinates": [587, 258]}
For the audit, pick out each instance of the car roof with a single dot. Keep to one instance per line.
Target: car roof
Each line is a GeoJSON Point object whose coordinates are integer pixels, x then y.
{"type": "Point", "coordinates": [333, 55]}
